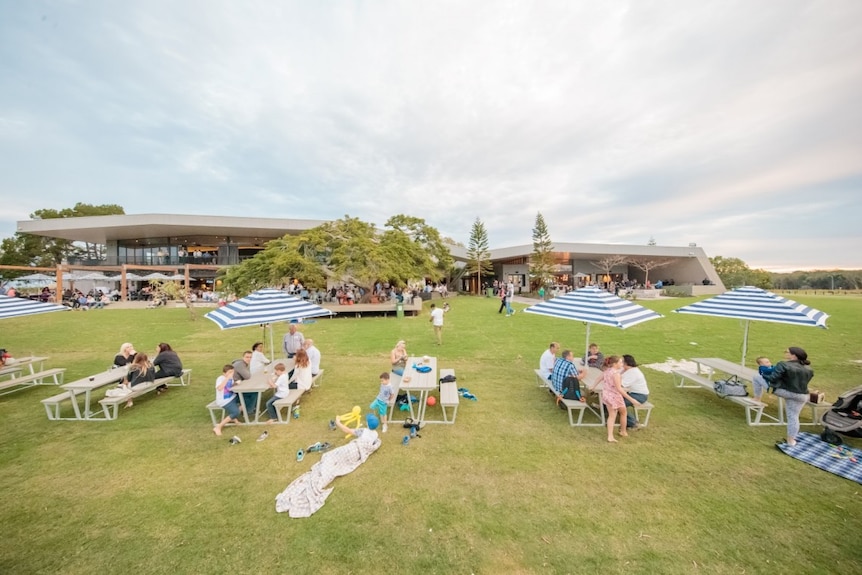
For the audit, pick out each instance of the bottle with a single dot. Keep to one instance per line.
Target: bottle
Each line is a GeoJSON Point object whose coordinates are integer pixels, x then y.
{"type": "Point", "coordinates": [296, 412]}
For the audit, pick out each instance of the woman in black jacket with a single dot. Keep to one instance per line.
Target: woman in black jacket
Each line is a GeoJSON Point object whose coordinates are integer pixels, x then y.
{"type": "Point", "coordinates": [167, 363]}
{"type": "Point", "coordinates": [790, 380]}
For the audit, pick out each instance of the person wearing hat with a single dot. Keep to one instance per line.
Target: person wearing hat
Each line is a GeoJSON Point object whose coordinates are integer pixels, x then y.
{"type": "Point", "coordinates": [364, 435]}
{"type": "Point", "coordinates": [634, 382]}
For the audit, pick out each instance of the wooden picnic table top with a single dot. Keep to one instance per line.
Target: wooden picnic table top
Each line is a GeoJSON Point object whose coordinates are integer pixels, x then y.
{"type": "Point", "coordinates": [725, 366]}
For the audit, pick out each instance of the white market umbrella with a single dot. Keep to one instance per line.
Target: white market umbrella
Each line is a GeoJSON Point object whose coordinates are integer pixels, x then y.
{"type": "Point", "coordinates": [752, 303]}
{"type": "Point", "coordinates": [593, 305]}
{"type": "Point", "coordinates": [95, 276]}
{"type": "Point", "coordinates": [157, 276]}
{"type": "Point", "coordinates": [265, 306]}
{"type": "Point", "coordinates": [37, 277]}
{"type": "Point", "coordinates": [179, 277]}
{"type": "Point", "coordinates": [131, 276]}
{"type": "Point", "coordinates": [18, 306]}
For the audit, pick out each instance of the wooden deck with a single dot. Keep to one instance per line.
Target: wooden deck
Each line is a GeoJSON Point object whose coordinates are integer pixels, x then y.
{"type": "Point", "coordinates": [385, 309]}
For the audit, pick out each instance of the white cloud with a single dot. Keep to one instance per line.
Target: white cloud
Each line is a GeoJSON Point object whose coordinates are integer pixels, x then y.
{"type": "Point", "coordinates": [732, 125]}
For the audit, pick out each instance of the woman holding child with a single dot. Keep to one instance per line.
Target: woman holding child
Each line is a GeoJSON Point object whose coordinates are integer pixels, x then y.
{"type": "Point", "coordinates": [790, 380]}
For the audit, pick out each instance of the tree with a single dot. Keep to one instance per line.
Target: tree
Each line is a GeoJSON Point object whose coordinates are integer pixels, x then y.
{"type": "Point", "coordinates": [735, 273]}
{"type": "Point", "coordinates": [647, 265]}
{"type": "Point", "coordinates": [608, 263]}
{"type": "Point", "coordinates": [89, 251]}
{"type": "Point", "coordinates": [346, 250]}
{"type": "Point", "coordinates": [478, 254]}
{"type": "Point", "coordinates": [542, 259]}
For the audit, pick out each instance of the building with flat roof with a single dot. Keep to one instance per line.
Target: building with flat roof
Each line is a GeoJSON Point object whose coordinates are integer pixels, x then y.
{"type": "Point", "coordinates": [145, 240]}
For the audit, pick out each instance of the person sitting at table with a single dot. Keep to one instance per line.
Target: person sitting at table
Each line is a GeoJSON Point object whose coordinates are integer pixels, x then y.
{"type": "Point", "coordinates": [548, 359]}
{"type": "Point", "coordinates": [280, 382]}
{"type": "Point", "coordinates": [167, 364]}
{"type": "Point", "coordinates": [141, 371]}
{"type": "Point", "coordinates": [565, 374]}
{"type": "Point", "coordinates": [242, 372]}
{"type": "Point", "coordinates": [300, 378]}
{"type": "Point", "coordinates": [5, 358]}
{"type": "Point", "coordinates": [594, 357]}
{"type": "Point", "coordinates": [398, 358]}
{"type": "Point", "coordinates": [633, 381]}
{"type": "Point", "coordinates": [126, 355]}
{"type": "Point", "coordinates": [226, 398]}
{"type": "Point", "coordinates": [764, 368]}
{"type": "Point", "coordinates": [258, 360]}
{"type": "Point", "coordinates": [313, 356]}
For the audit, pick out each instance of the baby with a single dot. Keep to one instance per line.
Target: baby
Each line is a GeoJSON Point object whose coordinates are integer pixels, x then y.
{"type": "Point", "coordinates": [760, 385]}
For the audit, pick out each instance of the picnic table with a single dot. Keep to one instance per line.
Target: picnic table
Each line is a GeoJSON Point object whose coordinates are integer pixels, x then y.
{"type": "Point", "coordinates": [14, 368]}
{"type": "Point", "coordinates": [23, 373]}
{"type": "Point", "coordinates": [258, 383]}
{"type": "Point", "coordinates": [86, 386]}
{"type": "Point", "coordinates": [420, 382]}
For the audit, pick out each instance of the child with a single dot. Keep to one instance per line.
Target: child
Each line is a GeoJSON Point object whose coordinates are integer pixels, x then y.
{"type": "Point", "coordinates": [384, 399]}
{"type": "Point", "coordinates": [759, 380]}
{"type": "Point", "coordinates": [364, 435]}
{"type": "Point", "coordinates": [226, 398]}
{"type": "Point", "coordinates": [281, 383]}
{"type": "Point", "coordinates": [614, 396]}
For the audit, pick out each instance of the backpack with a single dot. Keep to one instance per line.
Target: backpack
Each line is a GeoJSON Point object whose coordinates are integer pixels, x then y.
{"type": "Point", "coordinates": [572, 388]}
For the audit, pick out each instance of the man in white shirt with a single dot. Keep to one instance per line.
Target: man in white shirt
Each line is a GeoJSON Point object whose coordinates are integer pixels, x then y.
{"type": "Point", "coordinates": [549, 357]}
{"type": "Point", "coordinates": [437, 321]}
{"type": "Point", "coordinates": [313, 356]}
{"type": "Point", "coordinates": [293, 341]}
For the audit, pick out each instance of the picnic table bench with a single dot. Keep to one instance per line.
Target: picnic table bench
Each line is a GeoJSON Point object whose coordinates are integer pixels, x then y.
{"type": "Point", "coordinates": [753, 408]}
{"type": "Point", "coordinates": [32, 379]}
{"type": "Point", "coordinates": [292, 398]}
{"type": "Point", "coordinates": [110, 404]}
{"type": "Point", "coordinates": [449, 395]}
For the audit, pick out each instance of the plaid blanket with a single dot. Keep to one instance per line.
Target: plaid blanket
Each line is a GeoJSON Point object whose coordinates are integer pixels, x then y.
{"type": "Point", "coordinates": [838, 459]}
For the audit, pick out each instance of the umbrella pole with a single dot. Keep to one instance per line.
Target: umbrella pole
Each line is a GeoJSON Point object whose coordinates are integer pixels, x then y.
{"type": "Point", "coordinates": [587, 345]}
{"type": "Point", "coordinates": [744, 342]}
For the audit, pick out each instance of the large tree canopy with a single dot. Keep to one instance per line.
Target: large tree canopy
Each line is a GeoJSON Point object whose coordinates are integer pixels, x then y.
{"type": "Point", "coordinates": [26, 249]}
{"type": "Point", "coordinates": [346, 250]}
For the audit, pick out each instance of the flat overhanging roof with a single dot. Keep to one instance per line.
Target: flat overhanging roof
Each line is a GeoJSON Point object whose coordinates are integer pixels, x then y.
{"type": "Point", "coordinates": [102, 229]}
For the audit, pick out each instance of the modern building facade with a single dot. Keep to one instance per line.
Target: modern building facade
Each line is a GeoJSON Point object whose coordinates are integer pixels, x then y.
{"type": "Point", "coordinates": [147, 240]}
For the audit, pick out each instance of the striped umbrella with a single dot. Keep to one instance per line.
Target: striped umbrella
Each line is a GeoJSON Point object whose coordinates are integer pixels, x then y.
{"type": "Point", "coordinates": [751, 303]}
{"type": "Point", "coordinates": [265, 306]}
{"type": "Point", "coordinates": [593, 305]}
{"type": "Point", "coordinates": [18, 306]}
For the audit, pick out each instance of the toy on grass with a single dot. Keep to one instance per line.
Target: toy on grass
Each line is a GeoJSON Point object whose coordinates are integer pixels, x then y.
{"type": "Point", "coordinates": [354, 417]}
{"type": "Point", "coordinates": [431, 400]}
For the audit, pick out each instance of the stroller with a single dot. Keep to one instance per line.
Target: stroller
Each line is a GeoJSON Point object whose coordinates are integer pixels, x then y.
{"type": "Point", "coordinates": [845, 417]}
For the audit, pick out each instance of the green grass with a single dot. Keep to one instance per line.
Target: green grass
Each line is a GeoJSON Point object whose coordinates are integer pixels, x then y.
{"type": "Point", "coordinates": [510, 488]}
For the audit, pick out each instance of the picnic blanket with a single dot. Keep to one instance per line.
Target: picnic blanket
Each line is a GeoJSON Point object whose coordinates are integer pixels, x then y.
{"type": "Point", "coordinates": [838, 459]}
{"type": "Point", "coordinates": [308, 492]}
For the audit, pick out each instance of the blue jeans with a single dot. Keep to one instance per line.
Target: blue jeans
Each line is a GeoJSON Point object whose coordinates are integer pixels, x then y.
{"type": "Point", "coordinates": [641, 398]}
{"type": "Point", "coordinates": [249, 400]}
{"type": "Point", "coordinates": [270, 407]}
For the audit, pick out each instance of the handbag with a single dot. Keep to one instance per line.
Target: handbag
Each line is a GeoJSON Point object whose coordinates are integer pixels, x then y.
{"type": "Point", "coordinates": [730, 387]}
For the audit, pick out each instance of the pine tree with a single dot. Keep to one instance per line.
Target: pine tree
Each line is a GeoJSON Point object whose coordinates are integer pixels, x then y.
{"type": "Point", "coordinates": [542, 259]}
{"type": "Point", "coordinates": [478, 254]}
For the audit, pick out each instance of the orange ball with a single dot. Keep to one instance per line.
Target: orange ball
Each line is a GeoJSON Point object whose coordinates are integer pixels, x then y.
{"type": "Point", "coordinates": [432, 400]}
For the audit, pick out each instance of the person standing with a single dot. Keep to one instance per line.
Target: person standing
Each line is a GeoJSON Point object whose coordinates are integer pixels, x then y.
{"type": "Point", "coordinates": [789, 381]}
{"type": "Point", "coordinates": [436, 320]}
{"type": "Point", "coordinates": [293, 341]}
{"type": "Point", "coordinates": [226, 398]}
{"type": "Point", "coordinates": [614, 396]}
{"type": "Point", "coordinates": [510, 293]}
{"type": "Point", "coordinates": [501, 291]}
{"type": "Point", "coordinates": [633, 381]}
{"type": "Point", "coordinates": [385, 398]}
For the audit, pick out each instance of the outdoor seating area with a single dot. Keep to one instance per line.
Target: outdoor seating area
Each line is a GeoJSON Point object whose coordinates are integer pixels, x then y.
{"type": "Point", "coordinates": [27, 372]}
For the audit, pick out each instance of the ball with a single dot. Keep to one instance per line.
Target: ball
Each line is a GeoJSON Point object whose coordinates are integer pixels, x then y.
{"type": "Point", "coordinates": [432, 400]}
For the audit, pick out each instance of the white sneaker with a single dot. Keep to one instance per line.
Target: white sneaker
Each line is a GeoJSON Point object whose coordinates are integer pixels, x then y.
{"type": "Point", "coordinates": [385, 428]}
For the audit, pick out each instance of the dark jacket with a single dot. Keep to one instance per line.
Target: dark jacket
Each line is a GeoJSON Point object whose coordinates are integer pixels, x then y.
{"type": "Point", "coordinates": [790, 375]}
{"type": "Point", "coordinates": [136, 376]}
{"type": "Point", "coordinates": [168, 364]}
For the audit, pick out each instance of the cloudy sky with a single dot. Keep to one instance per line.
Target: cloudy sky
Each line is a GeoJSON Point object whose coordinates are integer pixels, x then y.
{"type": "Point", "coordinates": [736, 125]}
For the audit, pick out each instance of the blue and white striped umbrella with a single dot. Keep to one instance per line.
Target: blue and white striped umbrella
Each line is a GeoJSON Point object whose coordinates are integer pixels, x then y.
{"type": "Point", "coordinates": [265, 306]}
{"type": "Point", "coordinates": [18, 306]}
{"type": "Point", "coordinates": [752, 303]}
{"type": "Point", "coordinates": [593, 305]}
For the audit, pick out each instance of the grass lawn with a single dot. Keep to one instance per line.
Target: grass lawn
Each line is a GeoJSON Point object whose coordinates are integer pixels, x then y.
{"type": "Point", "coordinates": [510, 488]}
